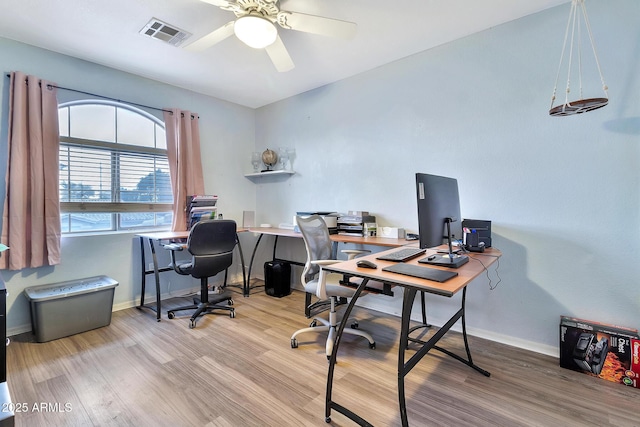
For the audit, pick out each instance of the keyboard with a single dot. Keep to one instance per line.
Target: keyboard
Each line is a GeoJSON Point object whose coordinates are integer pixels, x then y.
{"type": "Point", "coordinates": [402, 255]}
{"type": "Point", "coordinates": [421, 272]}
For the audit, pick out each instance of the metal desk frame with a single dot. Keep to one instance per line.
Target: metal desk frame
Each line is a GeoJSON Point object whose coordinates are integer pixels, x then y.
{"type": "Point", "coordinates": [168, 236]}
{"type": "Point", "coordinates": [411, 286]}
{"type": "Point", "coordinates": [310, 309]}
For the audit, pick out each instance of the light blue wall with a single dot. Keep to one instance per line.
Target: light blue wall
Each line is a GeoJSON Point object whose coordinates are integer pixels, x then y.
{"type": "Point", "coordinates": [562, 192]}
{"type": "Point", "coordinates": [227, 140]}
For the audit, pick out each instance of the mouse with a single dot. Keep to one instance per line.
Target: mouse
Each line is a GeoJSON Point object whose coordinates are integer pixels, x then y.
{"type": "Point", "coordinates": [366, 264]}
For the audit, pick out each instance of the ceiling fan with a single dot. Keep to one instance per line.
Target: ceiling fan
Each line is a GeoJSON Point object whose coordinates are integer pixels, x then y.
{"type": "Point", "coordinates": [255, 26]}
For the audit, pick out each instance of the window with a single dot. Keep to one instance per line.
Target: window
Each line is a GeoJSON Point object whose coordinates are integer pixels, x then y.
{"type": "Point", "coordinates": [114, 172]}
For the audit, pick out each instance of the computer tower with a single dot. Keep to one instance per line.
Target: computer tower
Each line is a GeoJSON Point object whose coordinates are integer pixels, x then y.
{"type": "Point", "coordinates": [277, 278]}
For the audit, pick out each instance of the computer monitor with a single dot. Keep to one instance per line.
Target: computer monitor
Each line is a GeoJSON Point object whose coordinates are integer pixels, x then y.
{"type": "Point", "coordinates": [439, 217]}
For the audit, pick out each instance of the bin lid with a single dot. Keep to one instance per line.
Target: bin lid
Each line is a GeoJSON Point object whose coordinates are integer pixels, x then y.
{"type": "Point", "coordinates": [69, 288]}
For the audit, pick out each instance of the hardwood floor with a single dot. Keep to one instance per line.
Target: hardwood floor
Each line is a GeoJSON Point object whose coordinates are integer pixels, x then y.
{"type": "Point", "coordinates": [243, 372]}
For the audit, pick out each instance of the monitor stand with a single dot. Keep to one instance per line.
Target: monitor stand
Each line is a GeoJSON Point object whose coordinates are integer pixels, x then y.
{"type": "Point", "coordinates": [450, 259]}
{"type": "Point", "coordinates": [446, 260]}
{"type": "Point", "coordinates": [455, 251]}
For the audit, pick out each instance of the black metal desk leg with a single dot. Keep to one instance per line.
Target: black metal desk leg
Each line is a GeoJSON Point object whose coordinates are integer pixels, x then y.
{"type": "Point", "coordinates": [244, 273]}
{"type": "Point", "coordinates": [466, 341]}
{"type": "Point", "coordinates": [424, 310]}
{"type": "Point", "coordinates": [275, 247]}
{"type": "Point", "coordinates": [247, 288]}
{"type": "Point", "coordinates": [329, 404]}
{"type": "Point", "coordinates": [143, 272]}
{"type": "Point", "coordinates": [407, 305]}
{"type": "Point", "coordinates": [307, 305]}
{"type": "Point", "coordinates": [156, 274]}
{"type": "Point", "coordinates": [424, 323]}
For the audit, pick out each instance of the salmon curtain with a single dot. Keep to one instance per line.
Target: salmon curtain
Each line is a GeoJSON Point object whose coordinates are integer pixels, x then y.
{"type": "Point", "coordinates": [185, 164]}
{"type": "Point", "coordinates": [31, 212]}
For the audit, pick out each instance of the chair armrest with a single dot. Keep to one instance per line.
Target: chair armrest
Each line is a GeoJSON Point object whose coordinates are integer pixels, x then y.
{"type": "Point", "coordinates": [173, 246]}
{"type": "Point", "coordinates": [321, 290]}
{"type": "Point", "coordinates": [322, 262]}
{"type": "Point", "coordinates": [352, 253]}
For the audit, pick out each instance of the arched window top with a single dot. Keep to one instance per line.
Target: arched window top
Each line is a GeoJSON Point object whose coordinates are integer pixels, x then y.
{"type": "Point", "coordinates": [110, 121]}
{"type": "Point", "coordinates": [114, 171]}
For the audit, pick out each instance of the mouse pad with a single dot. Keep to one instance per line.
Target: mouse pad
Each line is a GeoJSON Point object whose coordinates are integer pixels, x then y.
{"type": "Point", "coordinates": [422, 272]}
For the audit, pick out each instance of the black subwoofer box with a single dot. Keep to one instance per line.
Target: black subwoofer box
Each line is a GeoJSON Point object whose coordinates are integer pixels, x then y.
{"type": "Point", "coordinates": [277, 278]}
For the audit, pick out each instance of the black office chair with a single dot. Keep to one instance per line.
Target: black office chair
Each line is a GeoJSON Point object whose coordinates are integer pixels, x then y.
{"type": "Point", "coordinates": [211, 245]}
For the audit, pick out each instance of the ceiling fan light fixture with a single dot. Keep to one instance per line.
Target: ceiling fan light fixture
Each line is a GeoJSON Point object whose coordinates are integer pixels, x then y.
{"type": "Point", "coordinates": [255, 31]}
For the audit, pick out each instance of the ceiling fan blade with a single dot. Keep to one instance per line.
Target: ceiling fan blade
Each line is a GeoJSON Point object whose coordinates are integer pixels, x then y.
{"type": "Point", "coordinates": [317, 25]}
{"type": "Point", "coordinates": [212, 38]}
{"type": "Point", "coordinates": [279, 56]}
{"type": "Point", "coordinates": [219, 3]}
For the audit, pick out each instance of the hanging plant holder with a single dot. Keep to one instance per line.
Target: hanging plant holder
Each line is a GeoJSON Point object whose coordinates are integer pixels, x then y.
{"type": "Point", "coordinates": [574, 29]}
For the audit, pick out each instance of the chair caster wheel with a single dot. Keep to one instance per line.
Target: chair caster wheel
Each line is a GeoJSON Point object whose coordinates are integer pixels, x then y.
{"type": "Point", "coordinates": [171, 315]}
{"type": "Point", "coordinates": [372, 345]}
{"type": "Point", "coordinates": [354, 325]}
{"type": "Point", "coordinates": [232, 314]}
{"type": "Point", "coordinates": [192, 323]}
{"type": "Point", "coordinates": [313, 323]}
{"type": "Point", "coordinates": [230, 302]}
{"type": "Point", "coordinates": [327, 420]}
{"type": "Point", "coordinates": [294, 343]}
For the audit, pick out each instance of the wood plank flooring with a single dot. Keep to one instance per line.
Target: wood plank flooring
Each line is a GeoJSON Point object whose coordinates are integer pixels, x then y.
{"type": "Point", "coordinates": [243, 372]}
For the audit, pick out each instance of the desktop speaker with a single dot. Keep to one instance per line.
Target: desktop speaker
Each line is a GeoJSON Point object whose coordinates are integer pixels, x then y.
{"type": "Point", "coordinates": [277, 278]}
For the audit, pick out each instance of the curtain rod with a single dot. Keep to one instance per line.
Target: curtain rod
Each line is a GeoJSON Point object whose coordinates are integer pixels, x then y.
{"type": "Point", "coordinates": [114, 99]}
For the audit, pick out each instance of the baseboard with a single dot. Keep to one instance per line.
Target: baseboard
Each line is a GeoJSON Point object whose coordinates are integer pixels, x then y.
{"type": "Point", "coordinates": [17, 330]}
{"type": "Point", "coordinates": [548, 350]}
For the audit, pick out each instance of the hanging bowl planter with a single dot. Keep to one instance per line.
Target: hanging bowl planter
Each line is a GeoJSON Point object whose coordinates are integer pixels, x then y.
{"type": "Point", "coordinates": [574, 29]}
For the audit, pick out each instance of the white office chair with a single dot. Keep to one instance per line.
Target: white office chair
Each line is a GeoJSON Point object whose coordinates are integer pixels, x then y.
{"type": "Point", "coordinates": [325, 285]}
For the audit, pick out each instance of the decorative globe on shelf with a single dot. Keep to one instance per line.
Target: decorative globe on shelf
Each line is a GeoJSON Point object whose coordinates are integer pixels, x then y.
{"type": "Point", "coordinates": [269, 158]}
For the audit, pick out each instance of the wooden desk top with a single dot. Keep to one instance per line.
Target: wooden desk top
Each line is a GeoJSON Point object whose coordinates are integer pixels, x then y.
{"type": "Point", "coordinates": [376, 241]}
{"type": "Point", "coordinates": [466, 273]}
{"type": "Point", "coordinates": [284, 232]}
{"type": "Point", "coordinates": [274, 231]}
{"type": "Point", "coordinates": [169, 235]}
{"type": "Point", "coordinates": [164, 235]}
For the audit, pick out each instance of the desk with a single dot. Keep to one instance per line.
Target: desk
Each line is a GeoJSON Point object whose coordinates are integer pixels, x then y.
{"type": "Point", "coordinates": [167, 236]}
{"type": "Point", "coordinates": [336, 238]}
{"type": "Point", "coordinates": [411, 285]}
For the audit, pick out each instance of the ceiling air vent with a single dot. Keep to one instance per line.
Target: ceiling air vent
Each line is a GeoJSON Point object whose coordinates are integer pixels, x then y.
{"type": "Point", "coordinates": [165, 32]}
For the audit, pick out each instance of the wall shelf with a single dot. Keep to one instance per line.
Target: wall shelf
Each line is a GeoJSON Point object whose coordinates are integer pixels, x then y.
{"type": "Point", "coordinates": [270, 173]}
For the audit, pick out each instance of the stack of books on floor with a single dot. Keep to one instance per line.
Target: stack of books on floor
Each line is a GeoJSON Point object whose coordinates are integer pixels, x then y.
{"type": "Point", "coordinates": [199, 208]}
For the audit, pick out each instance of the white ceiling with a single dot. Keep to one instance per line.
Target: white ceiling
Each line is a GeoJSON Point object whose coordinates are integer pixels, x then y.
{"type": "Point", "coordinates": [107, 32]}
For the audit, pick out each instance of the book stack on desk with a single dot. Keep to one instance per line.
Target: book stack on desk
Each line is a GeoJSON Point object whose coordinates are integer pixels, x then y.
{"type": "Point", "coordinates": [353, 224]}
{"type": "Point", "coordinates": [199, 208]}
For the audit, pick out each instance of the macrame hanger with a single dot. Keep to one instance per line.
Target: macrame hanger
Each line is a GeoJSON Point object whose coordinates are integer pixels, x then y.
{"type": "Point", "coordinates": [582, 105]}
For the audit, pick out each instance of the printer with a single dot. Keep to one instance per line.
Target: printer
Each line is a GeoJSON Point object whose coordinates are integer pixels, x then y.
{"type": "Point", "coordinates": [330, 218]}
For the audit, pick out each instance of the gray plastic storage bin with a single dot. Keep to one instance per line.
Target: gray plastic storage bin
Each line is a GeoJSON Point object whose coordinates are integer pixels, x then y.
{"type": "Point", "coordinates": [67, 308]}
